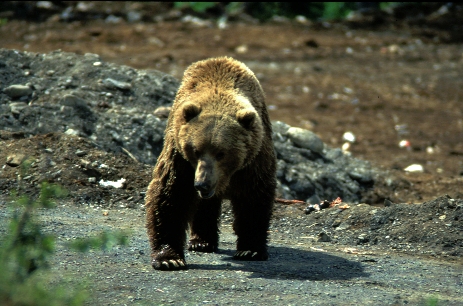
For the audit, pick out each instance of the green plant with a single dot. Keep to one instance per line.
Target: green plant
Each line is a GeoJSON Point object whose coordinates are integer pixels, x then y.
{"type": "Point", "coordinates": [25, 251]}
{"type": "Point", "coordinates": [199, 7]}
{"type": "Point", "coordinates": [335, 10]}
{"type": "Point", "coordinates": [431, 301]}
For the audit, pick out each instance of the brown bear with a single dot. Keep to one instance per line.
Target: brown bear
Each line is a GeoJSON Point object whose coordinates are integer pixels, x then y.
{"type": "Point", "coordinates": [218, 145]}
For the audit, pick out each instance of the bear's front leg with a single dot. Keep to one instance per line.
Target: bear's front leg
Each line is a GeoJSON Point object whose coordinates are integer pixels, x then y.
{"type": "Point", "coordinates": [169, 202]}
{"type": "Point", "coordinates": [252, 219]}
{"type": "Point", "coordinates": [204, 236]}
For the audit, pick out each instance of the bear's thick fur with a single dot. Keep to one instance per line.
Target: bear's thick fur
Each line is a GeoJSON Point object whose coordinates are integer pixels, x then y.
{"type": "Point", "coordinates": [218, 145]}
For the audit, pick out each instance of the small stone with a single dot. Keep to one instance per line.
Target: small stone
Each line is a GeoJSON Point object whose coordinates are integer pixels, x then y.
{"type": "Point", "coordinates": [92, 179]}
{"type": "Point", "coordinates": [323, 237]}
{"type": "Point", "coordinates": [414, 168]}
{"type": "Point", "coordinates": [336, 223]}
{"type": "Point", "coordinates": [15, 160]}
{"type": "Point", "coordinates": [75, 102]}
{"type": "Point", "coordinates": [387, 203]}
{"type": "Point", "coordinates": [16, 91]}
{"type": "Point", "coordinates": [305, 139]}
{"type": "Point", "coordinates": [241, 49]}
{"type": "Point", "coordinates": [81, 153]}
{"type": "Point", "coordinates": [72, 132]}
{"type": "Point", "coordinates": [363, 238]}
{"type": "Point", "coordinates": [162, 111]}
{"type": "Point", "coordinates": [349, 137]}
{"type": "Point", "coordinates": [17, 107]}
{"type": "Point", "coordinates": [114, 84]}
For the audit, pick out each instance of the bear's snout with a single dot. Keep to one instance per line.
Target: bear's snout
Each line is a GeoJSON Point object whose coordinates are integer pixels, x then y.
{"type": "Point", "coordinates": [204, 189]}
{"type": "Point", "coordinates": [205, 180]}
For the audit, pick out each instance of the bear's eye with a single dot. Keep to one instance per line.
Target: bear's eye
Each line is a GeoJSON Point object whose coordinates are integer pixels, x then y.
{"type": "Point", "coordinates": [219, 156]}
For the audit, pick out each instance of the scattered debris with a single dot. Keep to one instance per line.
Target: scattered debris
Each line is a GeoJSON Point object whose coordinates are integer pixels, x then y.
{"type": "Point", "coordinates": [325, 204]}
{"type": "Point", "coordinates": [117, 184]}
{"type": "Point", "coordinates": [404, 144]}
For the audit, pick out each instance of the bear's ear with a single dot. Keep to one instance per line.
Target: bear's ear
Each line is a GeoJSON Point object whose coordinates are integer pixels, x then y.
{"type": "Point", "coordinates": [190, 111]}
{"type": "Point", "coordinates": [246, 117]}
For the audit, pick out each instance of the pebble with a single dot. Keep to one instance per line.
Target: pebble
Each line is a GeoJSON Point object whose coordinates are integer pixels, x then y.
{"type": "Point", "coordinates": [114, 84]}
{"type": "Point", "coordinates": [81, 153]}
{"type": "Point", "coordinates": [323, 237]}
{"type": "Point", "coordinates": [305, 139]}
{"type": "Point", "coordinates": [15, 160]}
{"type": "Point", "coordinates": [72, 132]}
{"type": "Point", "coordinates": [74, 101]}
{"type": "Point", "coordinates": [17, 107]}
{"type": "Point", "coordinates": [414, 168]}
{"type": "Point", "coordinates": [348, 136]}
{"type": "Point", "coordinates": [17, 90]}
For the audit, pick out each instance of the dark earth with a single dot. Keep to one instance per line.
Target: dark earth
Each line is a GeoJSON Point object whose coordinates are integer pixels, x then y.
{"type": "Point", "coordinates": [82, 118]}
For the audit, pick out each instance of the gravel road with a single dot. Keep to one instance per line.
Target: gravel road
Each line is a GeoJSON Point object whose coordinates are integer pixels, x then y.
{"type": "Point", "coordinates": [300, 270]}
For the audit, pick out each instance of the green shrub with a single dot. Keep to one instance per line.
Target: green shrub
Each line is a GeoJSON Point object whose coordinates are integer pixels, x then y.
{"type": "Point", "coordinates": [25, 251]}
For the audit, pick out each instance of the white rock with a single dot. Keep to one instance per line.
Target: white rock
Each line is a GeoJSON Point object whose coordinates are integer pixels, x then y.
{"type": "Point", "coordinates": [72, 132]}
{"type": "Point", "coordinates": [17, 90]}
{"type": "Point", "coordinates": [348, 136]}
{"type": "Point", "coordinates": [414, 168]}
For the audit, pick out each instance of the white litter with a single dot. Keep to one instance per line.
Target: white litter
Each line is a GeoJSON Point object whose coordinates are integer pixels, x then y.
{"type": "Point", "coordinates": [414, 168]}
{"type": "Point", "coordinates": [348, 136]}
{"type": "Point", "coordinates": [116, 184]}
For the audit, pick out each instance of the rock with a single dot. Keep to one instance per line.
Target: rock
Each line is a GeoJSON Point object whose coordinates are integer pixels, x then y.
{"type": "Point", "coordinates": [323, 237]}
{"type": "Point", "coordinates": [72, 132]}
{"type": "Point", "coordinates": [17, 107]}
{"type": "Point", "coordinates": [162, 111]}
{"type": "Point", "coordinates": [414, 168]}
{"type": "Point", "coordinates": [114, 84]}
{"type": "Point", "coordinates": [363, 238]}
{"type": "Point", "coordinates": [305, 139]}
{"type": "Point", "coordinates": [349, 137]}
{"type": "Point", "coordinates": [81, 153]}
{"type": "Point", "coordinates": [15, 160]}
{"type": "Point", "coordinates": [79, 105]}
{"type": "Point", "coordinates": [17, 91]}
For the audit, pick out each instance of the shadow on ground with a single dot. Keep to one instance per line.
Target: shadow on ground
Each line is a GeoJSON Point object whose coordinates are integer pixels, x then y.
{"type": "Point", "coordinates": [290, 263]}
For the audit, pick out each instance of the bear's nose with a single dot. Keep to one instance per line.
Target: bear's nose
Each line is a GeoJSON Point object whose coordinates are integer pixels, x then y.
{"type": "Point", "coordinates": [204, 189]}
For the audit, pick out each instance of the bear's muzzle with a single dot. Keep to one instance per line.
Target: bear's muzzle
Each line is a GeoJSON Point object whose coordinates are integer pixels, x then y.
{"type": "Point", "coordinates": [205, 177]}
{"type": "Point", "coordinates": [204, 190]}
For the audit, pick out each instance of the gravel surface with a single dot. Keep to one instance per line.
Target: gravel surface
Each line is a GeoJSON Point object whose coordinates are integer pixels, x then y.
{"type": "Point", "coordinates": [300, 271]}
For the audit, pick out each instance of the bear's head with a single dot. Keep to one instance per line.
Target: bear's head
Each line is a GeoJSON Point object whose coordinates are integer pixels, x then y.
{"type": "Point", "coordinates": [217, 140]}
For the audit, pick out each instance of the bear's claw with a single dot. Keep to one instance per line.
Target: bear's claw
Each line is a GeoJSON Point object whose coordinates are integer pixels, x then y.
{"type": "Point", "coordinates": [201, 246]}
{"type": "Point", "coordinates": [172, 264]}
{"type": "Point", "coordinates": [250, 255]}
{"type": "Point", "coordinates": [167, 259]}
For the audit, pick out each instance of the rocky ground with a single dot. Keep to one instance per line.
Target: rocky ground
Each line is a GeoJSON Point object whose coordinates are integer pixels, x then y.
{"type": "Point", "coordinates": [84, 120]}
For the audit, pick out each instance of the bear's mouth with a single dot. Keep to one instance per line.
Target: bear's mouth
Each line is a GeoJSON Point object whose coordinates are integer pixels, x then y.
{"type": "Point", "coordinates": [206, 194]}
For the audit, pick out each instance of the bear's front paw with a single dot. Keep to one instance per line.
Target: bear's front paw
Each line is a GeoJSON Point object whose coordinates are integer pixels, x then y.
{"type": "Point", "coordinates": [251, 255]}
{"type": "Point", "coordinates": [167, 259]}
{"type": "Point", "coordinates": [199, 245]}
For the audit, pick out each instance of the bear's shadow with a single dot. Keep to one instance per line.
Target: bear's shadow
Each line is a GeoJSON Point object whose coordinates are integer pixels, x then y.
{"type": "Point", "coordinates": [288, 263]}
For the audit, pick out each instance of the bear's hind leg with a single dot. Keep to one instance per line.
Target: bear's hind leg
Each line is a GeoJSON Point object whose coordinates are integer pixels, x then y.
{"type": "Point", "coordinates": [204, 236]}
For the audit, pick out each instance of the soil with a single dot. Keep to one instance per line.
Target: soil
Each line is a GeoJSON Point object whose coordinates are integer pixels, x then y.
{"type": "Point", "coordinates": [388, 85]}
